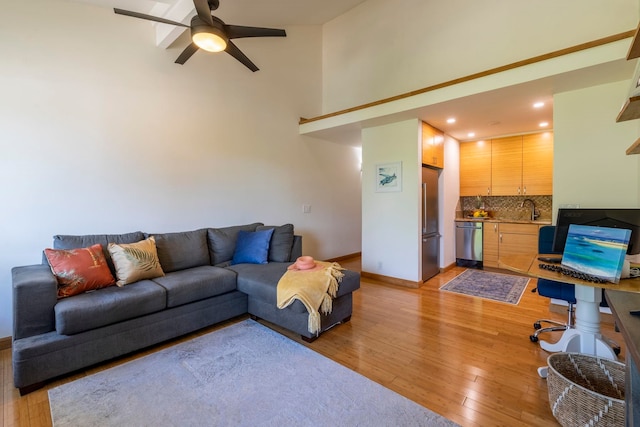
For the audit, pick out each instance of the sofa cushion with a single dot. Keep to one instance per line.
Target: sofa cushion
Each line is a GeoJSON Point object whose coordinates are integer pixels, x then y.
{"type": "Point", "coordinates": [222, 241]}
{"type": "Point", "coordinates": [281, 242]}
{"type": "Point", "coordinates": [62, 241]}
{"type": "Point", "coordinates": [107, 306]}
{"type": "Point", "coordinates": [179, 251]}
{"type": "Point", "coordinates": [79, 270]}
{"type": "Point", "coordinates": [252, 247]}
{"type": "Point", "coordinates": [261, 281]}
{"type": "Point", "coordinates": [196, 283]}
{"type": "Point", "coordinates": [135, 261]}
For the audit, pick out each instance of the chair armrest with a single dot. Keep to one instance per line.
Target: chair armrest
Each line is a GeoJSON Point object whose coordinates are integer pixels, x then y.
{"type": "Point", "coordinates": [35, 293]}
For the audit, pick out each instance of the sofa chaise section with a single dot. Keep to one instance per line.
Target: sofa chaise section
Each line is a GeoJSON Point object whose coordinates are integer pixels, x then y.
{"type": "Point", "coordinates": [260, 284]}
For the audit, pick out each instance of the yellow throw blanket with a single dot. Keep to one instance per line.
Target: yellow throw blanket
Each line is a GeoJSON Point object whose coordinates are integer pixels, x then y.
{"type": "Point", "coordinates": [315, 289]}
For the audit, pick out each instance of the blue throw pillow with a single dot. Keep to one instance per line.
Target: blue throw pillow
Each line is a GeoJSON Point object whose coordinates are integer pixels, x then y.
{"type": "Point", "coordinates": [252, 247]}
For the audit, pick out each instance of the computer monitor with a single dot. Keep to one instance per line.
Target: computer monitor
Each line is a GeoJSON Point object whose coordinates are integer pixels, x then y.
{"type": "Point", "coordinates": [596, 251]}
{"type": "Point", "coordinates": [615, 218]}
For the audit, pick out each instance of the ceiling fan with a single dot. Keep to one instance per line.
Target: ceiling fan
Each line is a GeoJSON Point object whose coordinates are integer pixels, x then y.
{"type": "Point", "coordinates": [211, 33]}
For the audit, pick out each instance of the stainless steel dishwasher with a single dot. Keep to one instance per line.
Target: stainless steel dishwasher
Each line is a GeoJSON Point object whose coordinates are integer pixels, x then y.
{"type": "Point", "coordinates": [469, 244]}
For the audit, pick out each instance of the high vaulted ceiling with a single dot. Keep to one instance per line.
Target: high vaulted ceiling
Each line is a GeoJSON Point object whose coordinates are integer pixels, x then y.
{"type": "Point", "coordinates": [266, 13]}
{"type": "Point", "coordinates": [495, 113]}
{"type": "Point", "coordinates": [253, 13]}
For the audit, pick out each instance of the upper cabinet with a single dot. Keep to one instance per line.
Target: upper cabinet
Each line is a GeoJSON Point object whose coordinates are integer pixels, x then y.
{"type": "Point", "coordinates": [475, 168]}
{"type": "Point", "coordinates": [513, 166]}
{"type": "Point", "coordinates": [537, 164]}
{"type": "Point", "coordinates": [432, 146]}
{"type": "Point", "coordinates": [506, 166]}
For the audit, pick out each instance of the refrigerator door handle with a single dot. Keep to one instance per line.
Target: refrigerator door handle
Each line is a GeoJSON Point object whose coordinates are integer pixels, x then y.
{"type": "Point", "coordinates": [424, 207]}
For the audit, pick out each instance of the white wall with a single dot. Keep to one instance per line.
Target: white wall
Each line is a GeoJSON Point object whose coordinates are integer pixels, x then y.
{"type": "Point", "coordinates": [590, 165]}
{"type": "Point", "coordinates": [383, 48]}
{"type": "Point", "coordinates": [391, 244]}
{"type": "Point", "coordinates": [391, 220]}
{"type": "Point", "coordinates": [100, 132]}
{"type": "Point", "coordinates": [449, 197]}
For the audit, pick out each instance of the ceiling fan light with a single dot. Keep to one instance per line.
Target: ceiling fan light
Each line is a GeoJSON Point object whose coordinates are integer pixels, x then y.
{"type": "Point", "coordinates": [209, 41]}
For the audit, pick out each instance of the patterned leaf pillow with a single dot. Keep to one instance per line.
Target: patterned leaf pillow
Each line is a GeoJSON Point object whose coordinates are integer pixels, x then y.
{"type": "Point", "coordinates": [79, 270]}
{"type": "Point", "coordinates": [135, 261]}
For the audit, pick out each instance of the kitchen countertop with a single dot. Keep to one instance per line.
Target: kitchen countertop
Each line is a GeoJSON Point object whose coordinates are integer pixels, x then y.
{"type": "Point", "coordinates": [513, 221]}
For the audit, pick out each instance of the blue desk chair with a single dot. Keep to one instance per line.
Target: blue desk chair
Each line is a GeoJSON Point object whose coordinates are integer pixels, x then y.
{"type": "Point", "coordinates": [552, 289]}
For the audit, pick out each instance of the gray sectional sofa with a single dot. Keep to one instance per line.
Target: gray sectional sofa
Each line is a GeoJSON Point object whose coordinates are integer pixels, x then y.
{"type": "Point", "coordinates": [53, 337]}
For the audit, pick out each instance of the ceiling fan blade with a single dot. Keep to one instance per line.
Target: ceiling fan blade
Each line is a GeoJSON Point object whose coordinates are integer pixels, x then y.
{"type": "Point", "coordinates": [213, 4]}
{"type": "Point", "coordinates": [204, 12]}
{"type": "Point", "coordinates": [238, 31]}
{"type": "Point", "coordinates": [233, 50]}
{"type": "Point", "coordinates": [186, 54]}
{"type": "Point", "coordinates": [148, 17]}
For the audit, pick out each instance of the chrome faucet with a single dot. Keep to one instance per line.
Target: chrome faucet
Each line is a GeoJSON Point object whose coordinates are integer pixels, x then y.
{"type": "Point", "coordinates": [533, 208]}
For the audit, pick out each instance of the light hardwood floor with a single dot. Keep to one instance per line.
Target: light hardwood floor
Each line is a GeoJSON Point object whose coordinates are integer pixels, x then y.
{"type": "Point", "coordinates": [465, 358]}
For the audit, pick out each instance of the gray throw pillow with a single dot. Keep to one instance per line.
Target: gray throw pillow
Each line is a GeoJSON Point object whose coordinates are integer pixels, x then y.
{"type": "Point", "coordinates": [182, 250]}
{"type": "Point", "coordinates": [281, 242]}
{"type": "Point", "coordinates": [222, 241]}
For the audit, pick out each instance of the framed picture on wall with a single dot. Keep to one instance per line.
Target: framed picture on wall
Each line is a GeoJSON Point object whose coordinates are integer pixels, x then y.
{"type": "Point", "coordinates": [388, 177]}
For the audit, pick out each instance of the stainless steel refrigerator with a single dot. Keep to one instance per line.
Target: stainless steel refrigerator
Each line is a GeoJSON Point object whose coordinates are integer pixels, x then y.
{"type": "Point", "coordinates": [430, 234]}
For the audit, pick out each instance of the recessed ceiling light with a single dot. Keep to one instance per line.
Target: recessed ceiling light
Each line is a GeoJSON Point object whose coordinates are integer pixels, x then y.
{"type": "Point", "coordinates": [544, 124]}
{"type": "Point", "coordinates": [471, 134]}
{"type": "Point", "coordinates": [538, 105]}
{"type": "Point", "coordinates": [451, 120]}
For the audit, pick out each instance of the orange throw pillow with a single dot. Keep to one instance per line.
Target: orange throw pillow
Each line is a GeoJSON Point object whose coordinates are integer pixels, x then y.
{"type": "Point", "coordinates": [79, 270]}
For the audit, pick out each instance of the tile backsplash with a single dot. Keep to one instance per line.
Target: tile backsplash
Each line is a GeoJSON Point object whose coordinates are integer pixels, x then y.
{"type": "Point", "coordinates": [508, 207]}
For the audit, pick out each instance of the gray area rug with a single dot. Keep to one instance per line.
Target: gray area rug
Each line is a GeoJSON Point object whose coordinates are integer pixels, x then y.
{"type": "Point", "coordinates": [242, 375]}
{"type": "Point", "coordinates": [484, 284]}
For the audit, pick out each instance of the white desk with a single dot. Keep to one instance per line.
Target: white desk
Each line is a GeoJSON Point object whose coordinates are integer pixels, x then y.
{"type": "Point", "coordinates": [585, 337]}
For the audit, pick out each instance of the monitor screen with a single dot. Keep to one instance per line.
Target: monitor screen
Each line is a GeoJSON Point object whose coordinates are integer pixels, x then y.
{"type": "Point", "coordinates": [615, 218]}
{"type": "Point", "coordinates": [596, 251]}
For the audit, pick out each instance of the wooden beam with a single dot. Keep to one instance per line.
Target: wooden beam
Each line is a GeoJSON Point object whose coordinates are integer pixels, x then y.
{"type": "Point", "coordinates": [634, 49]}
{"type": "Point", "coordinates": [630, 109]}
{"type": "Point", "coordinates": [635, 148]}
{"type": "Point", "coordinates": [179, 12]}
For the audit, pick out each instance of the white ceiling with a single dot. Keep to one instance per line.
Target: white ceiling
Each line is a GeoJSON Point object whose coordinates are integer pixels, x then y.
{"type": "Point", "coordinates": [496, 113]}
{"type": "Point", "coordinates": [264, 13]}
{"type": "Point", "coordinates": [510, 110]}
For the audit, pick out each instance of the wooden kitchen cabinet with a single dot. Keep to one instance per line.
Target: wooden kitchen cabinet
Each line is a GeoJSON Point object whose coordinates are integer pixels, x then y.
{"type": "Point", "coordinates": [517, 239]}
{"type": "Point", "coordinates": [490, 243]}
{"type": "Point", "coordinates": [522, 165]}
{"type": "Point", "coordinates": [475, 168]}
{"type": "Point", "coordinates": [513, 166]}
{"type": "Point", "coordinates": [537, 164]}
{"type": "Point", "coordinates": [506, 166]}
{"type": "Point", "coordinates": [432, 146]}
{"type": "Point", "coordinates": [501, 239]}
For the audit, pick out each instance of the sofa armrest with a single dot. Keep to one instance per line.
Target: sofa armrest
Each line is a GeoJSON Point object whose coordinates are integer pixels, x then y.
{"type": "Point", "coordinates": [296, 248]}
{"type": "Point", "coordinates": [35, 293]}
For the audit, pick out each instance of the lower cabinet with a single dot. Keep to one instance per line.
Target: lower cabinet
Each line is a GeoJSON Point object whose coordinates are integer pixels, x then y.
{"type": "Point", "coordinates": [490, 244]}
{"type": "Point", "coordinates": [507, 238]}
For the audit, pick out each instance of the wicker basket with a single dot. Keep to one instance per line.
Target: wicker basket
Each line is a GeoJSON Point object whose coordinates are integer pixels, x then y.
{"type": "Point", "coordinates": [586, 390]}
